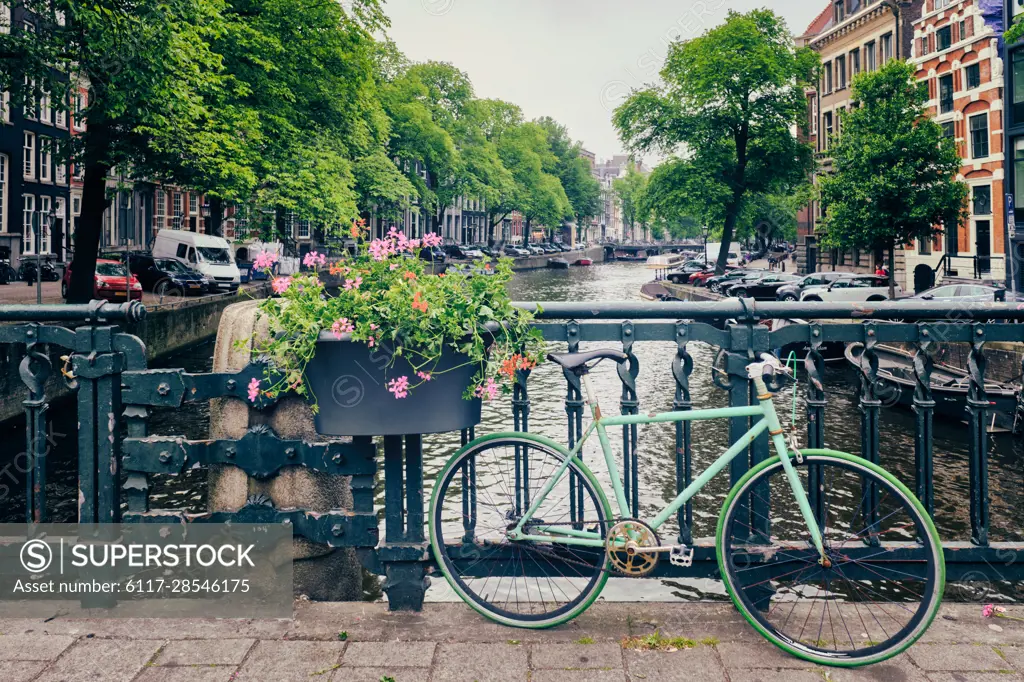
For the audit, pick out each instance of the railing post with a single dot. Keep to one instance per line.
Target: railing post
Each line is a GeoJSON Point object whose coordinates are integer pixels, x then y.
{"type": "Point", "coordinates": [977, 409]}
{"type": "Point", "coordinates": [924, 409]}
{"type": "Point", "coordinates": [628, 404]}
{"type": "Point", "coordinates": [869, 408]}
{"type": "Point", "coordinates": [574, 424]}
{"type": "Point", "coordinates": [404, 552]}
{"type": "Point", "coordinates": [682, 367]}
{"type": "Point", "coordinates": [35, 369]}
{"type": "Point", "coordinates": [814, 364]}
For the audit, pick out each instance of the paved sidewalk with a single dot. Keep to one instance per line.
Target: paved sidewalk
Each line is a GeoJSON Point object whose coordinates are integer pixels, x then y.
{"type": "Point", "coordinates": [449, 642]}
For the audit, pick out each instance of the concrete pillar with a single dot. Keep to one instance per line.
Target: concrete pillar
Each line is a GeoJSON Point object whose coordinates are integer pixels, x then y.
{"type": "Point", "coordinates": [321, 573]}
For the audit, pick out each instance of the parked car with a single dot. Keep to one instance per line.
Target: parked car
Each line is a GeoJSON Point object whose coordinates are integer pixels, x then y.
{"type": "Point", "coordinates": [516, 251]}
{"type": "Point", "coordinates": [455, 250]}
{"type": "Point", "coordinates": [109, 282]}
{"type": "Point", "coordinates": [973, 293]}
{"type": "Point", "coordinates": [852, 288]}
{"type": "Point", "coordinates": [684, 272]}
{"type": "Point", "coordinates": [791, 291]}
{"type": "Point", "coordinates": [716, 282]}
{"type": "Point", "coordinates": [433, 254]}
{"type": "Point", "coordinates": [534, 250]}
{"type": "Point", "coordinates": [206, 253]}
{"type": "Point", "coordinates": [473, 253]}
{"type": "Point", "coordinates": [761, 289]}
{"type": "Point", "coordinates": [163, 276]}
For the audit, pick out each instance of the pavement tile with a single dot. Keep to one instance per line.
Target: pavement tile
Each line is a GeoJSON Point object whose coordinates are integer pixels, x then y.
{"type": "Point", "coordinates": [899, 669]}
{"type": "Point", "coordinates": [20, 671]}
{"type": "Point", "coordinates": [108, 660]}
{"type": "Point", "coordinates": [389, 654]}
{"type": "Point", "coordinates": [573, 656]}
{"type": "Point", "coordinates": [289, 661]}
{"type": "Point", "coordinates": [191, 673]}
{"type": "Point", "coordinates": [1014, 655]}
{"type": "Point", "coordinates": [758, 655]}
{"type": "Point", "coordinates": [685, 665]}
{"type": "Point", "coordinates": [974, 677]}
{"type": "Point", "coordinates": [344, 674]}
{"type": "Point", "coordinates": [774, 675]}
{"type": "Point", "coordinates": [957, 657]}
{"type": "Point", "coordinates": [480, 663]}
{"type": "Point", "coordinates": [593, 675]}
{"type": "Point", "coordinates": [33, 647]}
{"type": "Point", "coordinates": [204, 652]}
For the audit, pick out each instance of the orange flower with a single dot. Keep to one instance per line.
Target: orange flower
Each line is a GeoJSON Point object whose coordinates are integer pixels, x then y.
{"type": "Point", "coordinates": [417, 304]}
{"type": "Point", "coordinates": [409, 275]}
{"type": "Point", "coordinates": [514, 363]}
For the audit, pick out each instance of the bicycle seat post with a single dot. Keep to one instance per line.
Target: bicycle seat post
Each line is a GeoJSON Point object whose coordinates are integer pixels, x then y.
{"type": "Point", "coordinates": [589, 397]}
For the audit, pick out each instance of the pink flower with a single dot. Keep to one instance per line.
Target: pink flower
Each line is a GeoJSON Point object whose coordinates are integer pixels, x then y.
{"type": "Point", "coordinates": [342, 326]}
{"type": "Point", "coordinates": [394, 266]}
{"type": "Point", "coordinates": [281, 284]}
{"type": "Point", "coordinates": [414, 243]}
{"type": "Point", "coordinates": [986, 610]}
{"type": "Point", "coordinates": [490, 390]}
{"type": "Point", "coordinates": [264, 260]}
{"type": "Point", "coordinates": [399, 386]}
{"type": "Point", "coordinates": [373, 326]}
{"type": "Point", "coordinates": [351, 284]}
{"type": "Point", "coordinates": [314, 259]}
{"type": "Point", "coordinates": [254, 390]}
{"type": "Point", "coordinates": [371, 342]}
{"type": "Point", "coordinates": [432, 239]}
{"type": "Point", "coordinates": [423, 375]}
{"type": "Point", "coordinates": [381, 249]}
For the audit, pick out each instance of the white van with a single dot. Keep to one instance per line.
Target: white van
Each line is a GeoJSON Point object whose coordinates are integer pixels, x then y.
{"type": "Point", "coordinates": [208, 254]}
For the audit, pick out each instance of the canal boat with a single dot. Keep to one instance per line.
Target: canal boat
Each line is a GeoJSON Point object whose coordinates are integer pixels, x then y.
{"type": "Point", "coordinates": [656, 291]}
{"type": "Point", "coordinates": [665, 260]}
{"type": "Point", "coordinates": [949, 386]}
{"type": "Point", "coordinates": [583, 261]}
{"type": "Point", "coordinates": [558, 263]}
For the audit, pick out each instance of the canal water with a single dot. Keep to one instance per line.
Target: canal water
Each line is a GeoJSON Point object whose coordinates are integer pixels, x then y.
{"type": "Point", "coordinates": [607, 282]}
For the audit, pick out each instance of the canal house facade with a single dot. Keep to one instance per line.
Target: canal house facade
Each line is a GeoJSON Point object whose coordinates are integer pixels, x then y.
{"type": "Point", "coordinates": [956, 52]}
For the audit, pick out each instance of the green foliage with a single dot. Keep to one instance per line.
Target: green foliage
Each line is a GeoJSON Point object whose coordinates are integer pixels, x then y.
{"type": "Point", "coordinates": [724, 113]}
{"type": "Point", "coordinates": [632, 190]}
{"type": "Point", "coordinates": [391, 300]}
{"type": "Point", "coordinates": [895, 173]}
{"type": "Point", "coordinates": [1015, 32]}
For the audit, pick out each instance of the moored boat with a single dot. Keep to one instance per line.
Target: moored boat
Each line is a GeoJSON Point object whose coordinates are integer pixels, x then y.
{"type": "Point", "coordinates": [558, 263]}
{"type": "Point", "coordinates": [949, 385]}
{"type": "Point", "coordinates": [665, 260]}
{"type": "Point", "coordinates": [583, 261]}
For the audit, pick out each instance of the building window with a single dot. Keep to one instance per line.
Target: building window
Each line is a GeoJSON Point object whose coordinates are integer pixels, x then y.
{"type": "Point", "coordinates": [979, 136]}
{"type": "Point", "coordinates": [945, 94]}
{"type": "Point", "coordinates": [79, 172]}
{"type": "Point", "coordinates": [176, 223]}
{"type": "Point", "coordinates": [79, 117]}
{"type": "Point", "coordinates": [981, 201]}
{"type": "Point", "coordinates": [61, 174]}
{"type": "Point", "coordinates": [160, 209]}
{"type": "Point", "coordinates": [885, 47]}
{"type": "Point", "coordinates": [963, 30]}
{"type": "Point", "coordinates": [814, 115]}
{"type": "Point", "coordinates": [944, 38]}
{"type": "Point", "coordinates": [869, 56]}
{"type": "Point", "coordinates": [939, 4]}
{"type": "Point", "coordinates": [826, 72]}
{"type": "Point", "coordinates": [5, 106]}
{"type": "Point", "coordinates": [29, 150]}
{"type": "Point", "coordinates": [972, 75]}
{"type": "Point", "coordinates": [854, 63]}
{"type": "Point", "coordinates": [3, 193]}
{"type": "Point", "coordinates": [827, 124]}
{"type": "Point", "coordinates": [45, 159]}
{"type": "Point", "coordinates": [924, 246]}
{"type": "Point", "coordinates": [838, 11]}
{"type": "Point", "coordinates": [193, 203]}
{"type": "Point", "coordinates": [44, 234]}
{"type": "Point", "coordinates": [31, 105]}
{"type": "Point", "coordinates": [948, 129]}
{"type": "Point", "coordinates": [45, 111]}
{"type": "Point", "coordinates": [59, 218]}
{"type": "Point", "coordinates": [840, 73]}
{"type": "Point", "coordinates": [60, 116]}
{"type": "Point", "coordinates": [28, 209]}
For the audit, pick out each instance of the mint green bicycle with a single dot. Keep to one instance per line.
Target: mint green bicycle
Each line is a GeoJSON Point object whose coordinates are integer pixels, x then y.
{"type": "Point", "coordinates": [827, 555]}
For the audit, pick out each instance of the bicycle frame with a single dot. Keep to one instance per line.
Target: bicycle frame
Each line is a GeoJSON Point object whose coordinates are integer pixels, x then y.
{"type": "Point", "coordinates": [769, 420]}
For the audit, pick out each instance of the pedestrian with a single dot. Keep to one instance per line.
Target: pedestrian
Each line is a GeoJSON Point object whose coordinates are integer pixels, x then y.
{"type": "Point", "coordinates": [880, 271]}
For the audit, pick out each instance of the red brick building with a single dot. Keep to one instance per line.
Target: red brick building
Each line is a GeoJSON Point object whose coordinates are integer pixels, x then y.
{"type": "Point", "coordinates": [957, 54]}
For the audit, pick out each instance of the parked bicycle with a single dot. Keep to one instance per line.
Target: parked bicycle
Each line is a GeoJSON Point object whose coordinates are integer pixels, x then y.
{"type": "Point", "coordinates": [826, 555]}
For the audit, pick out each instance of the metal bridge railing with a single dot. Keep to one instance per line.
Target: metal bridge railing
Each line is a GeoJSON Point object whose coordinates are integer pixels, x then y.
{"type": "Point", "coordinates": [108, 370]}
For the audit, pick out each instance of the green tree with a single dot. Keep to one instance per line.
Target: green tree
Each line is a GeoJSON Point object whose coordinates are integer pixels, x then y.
{"type": "Point", "coordinates": [631, 189]}
{"type": "Point", "coordinates": [581, 187]}
{"type": "Point", "coordinates": [895, 171]}
{"type": "Point", "coordinates": [727, 106]}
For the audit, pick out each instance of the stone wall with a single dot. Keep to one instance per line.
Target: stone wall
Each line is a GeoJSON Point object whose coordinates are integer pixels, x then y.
{"type": "Point", "coordinates": [595, 254]}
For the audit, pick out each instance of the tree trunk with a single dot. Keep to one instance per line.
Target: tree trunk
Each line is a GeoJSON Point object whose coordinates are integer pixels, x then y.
{"type": "Point", "coordinates": [892, 270]}
{"type": "Point", "coordinates": [90, 221]}
{"type": "Point", "coordinates": [526, 230]}
{"type": "Point", "coordinates": [731, 216]}
{"type": "Point", "coordinates": [215, 222]}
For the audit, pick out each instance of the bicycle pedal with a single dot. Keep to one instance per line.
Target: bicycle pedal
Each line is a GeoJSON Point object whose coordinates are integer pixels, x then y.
{"type": "Point", "coordinates": [681, 555]}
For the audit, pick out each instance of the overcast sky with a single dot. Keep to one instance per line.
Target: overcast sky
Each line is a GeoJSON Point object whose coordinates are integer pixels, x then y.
{"type": "Point", "coordinates": [573, 60]}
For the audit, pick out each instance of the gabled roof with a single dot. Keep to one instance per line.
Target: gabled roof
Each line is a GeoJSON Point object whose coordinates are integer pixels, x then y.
{"type": "Point", "coordinates": [821, 22]}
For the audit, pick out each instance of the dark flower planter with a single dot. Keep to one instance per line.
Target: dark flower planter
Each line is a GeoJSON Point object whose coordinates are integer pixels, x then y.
{"type": "Point", "coordinates": [350, 380]}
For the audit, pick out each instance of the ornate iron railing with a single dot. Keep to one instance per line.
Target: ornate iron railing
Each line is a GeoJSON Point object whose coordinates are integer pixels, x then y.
{"type": "Point", "coordinates": [109, 372]}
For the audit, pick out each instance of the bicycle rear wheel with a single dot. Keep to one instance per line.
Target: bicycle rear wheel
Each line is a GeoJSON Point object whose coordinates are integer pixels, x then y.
{"type": "Point", "coordinates": [882, 582]}
{"type": "Point", "coordinates": [482, 493]}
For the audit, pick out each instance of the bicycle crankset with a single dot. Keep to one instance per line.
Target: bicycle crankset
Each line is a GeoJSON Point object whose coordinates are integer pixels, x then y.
{"type": "Point", "coordinates": [631, 548]}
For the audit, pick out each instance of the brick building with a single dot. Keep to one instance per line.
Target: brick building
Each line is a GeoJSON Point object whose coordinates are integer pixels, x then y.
{"type": "Point", "coordinates": [956, 52]}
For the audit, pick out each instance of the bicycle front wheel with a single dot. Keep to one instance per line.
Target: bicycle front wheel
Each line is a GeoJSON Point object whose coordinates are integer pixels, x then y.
{"type": "Point", "coordinates": [881, 581]}
{"type": "Point", "coordinates": [483, 493]}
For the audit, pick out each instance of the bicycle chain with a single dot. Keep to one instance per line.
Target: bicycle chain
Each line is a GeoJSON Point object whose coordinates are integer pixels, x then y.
{"type": "Point", "coordinates": [583, 563]}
